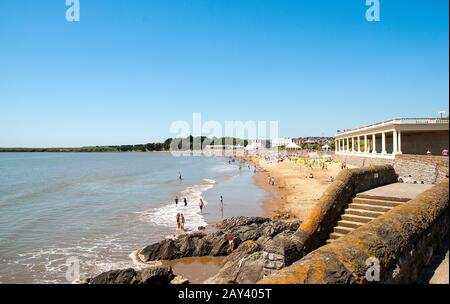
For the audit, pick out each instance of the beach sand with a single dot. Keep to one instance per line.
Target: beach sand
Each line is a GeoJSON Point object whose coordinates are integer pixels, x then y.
{"type": "Point", "coordinates": [293, 193]}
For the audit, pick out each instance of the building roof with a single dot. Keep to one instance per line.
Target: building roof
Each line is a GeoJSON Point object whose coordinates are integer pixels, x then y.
{"type": "Point", "coordinates": [292, 146]}
{"type": "Point", "coordinates": [409, 124]}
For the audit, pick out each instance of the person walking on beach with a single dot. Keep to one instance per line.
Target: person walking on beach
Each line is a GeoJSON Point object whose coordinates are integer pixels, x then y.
{"type": "Point", "coordinates": [201, 205]}
{"type": "Point", "coordinates": [176, 200]}
{"type": "Point", "coordinates": [185, 201]}
{"type": "Point", "coordinates": [273, 181]}
{"type": "Point", "coordinates": [269, 179]}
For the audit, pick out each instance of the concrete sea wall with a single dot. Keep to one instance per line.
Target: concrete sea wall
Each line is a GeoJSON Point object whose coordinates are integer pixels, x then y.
{"type": "Point", "coordinates": [315, 230]}
{"type": "Point", "coordinates": [429, 169]}
{"type": "Point", "coordinates": [399, 243]}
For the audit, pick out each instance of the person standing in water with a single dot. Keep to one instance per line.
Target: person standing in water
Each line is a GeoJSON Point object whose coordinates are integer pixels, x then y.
{"type": "Point", "coordinates": [176, 201]}
{"type": "Point", "coordinates": [178, 221]}
{"type": "Point", "coordinates": [185, 201]}
{"type": "Point", "coordinates": [221, 205]}
{"type": "Point", "coordinates": [180, 177]}
{"type": "Point", "coordinates": [182, 221]}
{"type": "Point", "coordinates": [201, 205]}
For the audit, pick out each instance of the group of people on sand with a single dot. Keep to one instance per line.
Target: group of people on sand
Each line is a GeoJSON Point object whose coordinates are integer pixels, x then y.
{"type": "Point", "coordinates": [408, 180]}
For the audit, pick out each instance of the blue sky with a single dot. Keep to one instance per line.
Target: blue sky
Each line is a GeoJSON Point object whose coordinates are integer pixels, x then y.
{"type": "Point", "coordinates": [130, 68]}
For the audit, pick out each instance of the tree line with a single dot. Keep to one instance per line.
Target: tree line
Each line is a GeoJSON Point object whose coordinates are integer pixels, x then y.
{"type": "Point", "coordinates": [187, 143]}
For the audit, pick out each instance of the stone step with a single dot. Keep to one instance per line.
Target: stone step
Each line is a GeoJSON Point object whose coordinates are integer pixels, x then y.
{"type": "Point", "coordinates": [329, 241]}
{"type": "Point", "coordinates": [376, 202]}
{"type": "Point", "coordinates": [349, 224]}
{"type": "Point", "coordinates": [356, 218]}
{"type": "Point", "coordinates": [369, 207]}
{"type": "Point", "coordinates": [342, 230]}
{"type": "Point", "coordinates": [383, 198]}
{"type": "Point", "coordinates": [366, 213]}
{"type": "Point", "coordinates": [336, 235]}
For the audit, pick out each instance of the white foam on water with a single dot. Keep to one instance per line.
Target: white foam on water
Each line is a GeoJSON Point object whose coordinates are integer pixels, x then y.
{"type": "Point", "coordinates": [166, 215]}
{"type": "Point", "coordinates": [49, 265]}
{"type": "Point", "coordinates": [103, 253]}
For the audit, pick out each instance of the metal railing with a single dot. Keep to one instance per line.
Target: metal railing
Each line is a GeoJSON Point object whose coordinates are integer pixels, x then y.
{"type": "Point", "coordinates": [401, 121]}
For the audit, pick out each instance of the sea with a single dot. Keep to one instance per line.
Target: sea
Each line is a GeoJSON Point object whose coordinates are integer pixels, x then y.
{"type": "Point", "coordinates": [97, 208]}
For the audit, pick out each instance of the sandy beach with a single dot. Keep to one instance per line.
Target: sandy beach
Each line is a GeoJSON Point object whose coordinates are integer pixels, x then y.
{"type": "Point", "coordinates": [294, 193]}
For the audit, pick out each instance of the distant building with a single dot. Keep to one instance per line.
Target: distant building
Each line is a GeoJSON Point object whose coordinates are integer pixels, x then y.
{"type": "Point", "coordinates": [224, 147]}
{"type": "Point", "coordinates": [258, 143]}
{"type": "Point", "coordinates": [280, 142]}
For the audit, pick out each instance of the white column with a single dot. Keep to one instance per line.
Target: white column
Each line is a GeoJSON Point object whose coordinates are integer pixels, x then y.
{"type": "Point", "coordinates": [359, 144]}
{"type": "Point", "coordinates": [365, 144]}
{"type": "Point", "coordinates": [383, 143]}
{"type": "Point", "coordinates": [374, 144]}
{"type": "Point", "coordinates": [348, 146]}
{"type": "Point", "coordinates": [399, 148]}
{"type": "Point", "coordinates": [353, 144]}
{"type": "Point", "coordinates": [336, 146]}
{"type": "Point", "coordinates": [394, 142]}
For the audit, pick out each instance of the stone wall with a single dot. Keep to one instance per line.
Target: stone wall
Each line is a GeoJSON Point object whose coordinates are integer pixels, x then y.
{"type": "Point", "coordinates": [429, 169]}
{"type": "Point", "coordinates": [400, 243]}
{"type": "Point", "coordinates": [315, 230]}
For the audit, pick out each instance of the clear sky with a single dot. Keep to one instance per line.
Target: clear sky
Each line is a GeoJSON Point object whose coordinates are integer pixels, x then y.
{"type": "Point", "coordinates": [130, 68]}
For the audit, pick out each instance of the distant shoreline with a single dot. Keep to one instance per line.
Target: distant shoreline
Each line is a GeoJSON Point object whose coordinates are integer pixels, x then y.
{"type": "Point", "coordinates": [70, 150]}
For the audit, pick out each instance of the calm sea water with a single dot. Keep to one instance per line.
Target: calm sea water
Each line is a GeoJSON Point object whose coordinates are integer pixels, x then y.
{"type": "Point", "coordinates": [99, 207]}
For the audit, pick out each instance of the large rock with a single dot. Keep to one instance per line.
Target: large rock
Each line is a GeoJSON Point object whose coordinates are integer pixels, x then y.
{"type": "Point", "coordinates": [216, 244]}
{"type": "Point", "coordinates": [156, 275]}
{"type": "Point", "coordinates": [126, 276]}
{"type": "Point", "coordinates": [153, 275]}
{"type": "Point", "coordinates": [237, 267]}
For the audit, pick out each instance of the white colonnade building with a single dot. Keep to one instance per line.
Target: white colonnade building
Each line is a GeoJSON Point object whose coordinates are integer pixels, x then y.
{"type": "Point", "coordinates": [390, 138]}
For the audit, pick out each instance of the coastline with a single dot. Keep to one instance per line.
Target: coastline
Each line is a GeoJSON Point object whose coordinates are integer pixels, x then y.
{"type": "Point", "coordinates": [291, 198]}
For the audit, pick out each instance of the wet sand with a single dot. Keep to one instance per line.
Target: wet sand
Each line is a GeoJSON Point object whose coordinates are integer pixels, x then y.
{"type": "Point", "coordinates": [196, 269]}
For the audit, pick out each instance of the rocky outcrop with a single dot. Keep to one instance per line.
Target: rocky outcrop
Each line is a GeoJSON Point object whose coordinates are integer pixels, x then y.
{"type": "Point", "coordinates": [215, 244]}
{"type": "Point", "coordinates": [153, 276]}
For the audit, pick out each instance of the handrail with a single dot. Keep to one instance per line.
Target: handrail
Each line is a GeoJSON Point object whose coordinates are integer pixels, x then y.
{"type": "Point", "coordinates": [422, 120]}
